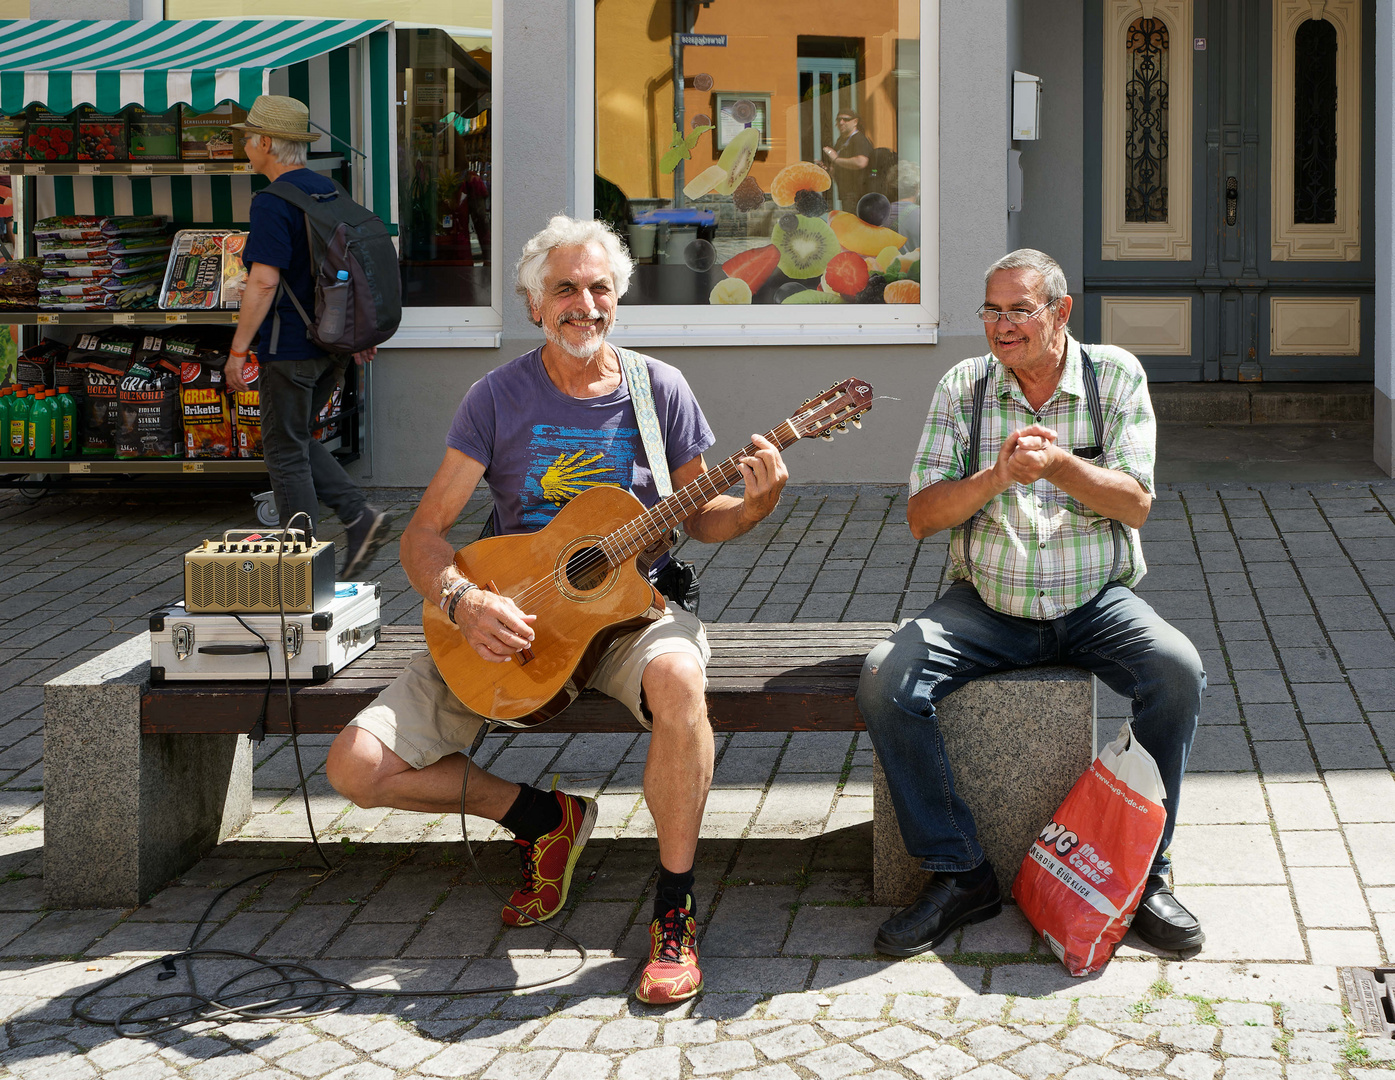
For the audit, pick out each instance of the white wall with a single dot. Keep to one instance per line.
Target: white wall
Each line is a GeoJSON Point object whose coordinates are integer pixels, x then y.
{"type": "Point", "coordinates": [742, 389]}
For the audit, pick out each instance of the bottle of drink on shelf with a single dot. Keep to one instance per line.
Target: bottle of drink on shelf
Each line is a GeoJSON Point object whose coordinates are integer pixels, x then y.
{"type": "Point", "coordinates": [41, 426]}
{"type": "Point", "coordinates": [17, 438]}
{"type": "Point", "coordinates": [6, 398]}
{"type": "Point", "coordinates": [336, 300]}
{"type": "Point", "coordinates": [68, 423]}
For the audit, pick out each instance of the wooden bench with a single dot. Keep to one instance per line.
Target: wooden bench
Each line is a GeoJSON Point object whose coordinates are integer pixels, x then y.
{"type": "Point", "coordinates": [141, 781]}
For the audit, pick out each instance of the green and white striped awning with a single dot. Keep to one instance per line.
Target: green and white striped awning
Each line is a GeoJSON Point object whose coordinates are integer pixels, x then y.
{"type": "Point", "coordinates": [63, 63]}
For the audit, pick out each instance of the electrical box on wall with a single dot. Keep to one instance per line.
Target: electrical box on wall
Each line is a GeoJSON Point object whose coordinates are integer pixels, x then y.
{"type": "Point", "coordinates": [1026, 105]}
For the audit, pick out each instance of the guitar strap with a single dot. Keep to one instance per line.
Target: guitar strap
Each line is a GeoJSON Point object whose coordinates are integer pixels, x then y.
{"type": "Point", "coordinates": [642, 398]}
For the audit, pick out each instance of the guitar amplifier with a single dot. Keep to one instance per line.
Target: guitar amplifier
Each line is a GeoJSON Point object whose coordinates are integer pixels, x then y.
{"type": "Point", "coordinates": [186, 645]}
{"type": "Point", "coordinates": [238, 573]}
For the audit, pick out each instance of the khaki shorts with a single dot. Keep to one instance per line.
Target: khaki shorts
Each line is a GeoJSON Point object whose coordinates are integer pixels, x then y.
{"type": "Point", "coordinates": [421, 721]}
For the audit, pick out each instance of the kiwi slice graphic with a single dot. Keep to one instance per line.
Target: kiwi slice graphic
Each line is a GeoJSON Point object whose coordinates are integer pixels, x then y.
{"type": "Point", "coordinates": [737, 159]}
{"type": "Point", "coordinates": [806, 249]}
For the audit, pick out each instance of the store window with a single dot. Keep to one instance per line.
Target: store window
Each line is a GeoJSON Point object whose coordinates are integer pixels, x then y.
{"type": "Point", "coordinates": [772, 164]}
{"type": "Point", "coordinates": [442, 100]}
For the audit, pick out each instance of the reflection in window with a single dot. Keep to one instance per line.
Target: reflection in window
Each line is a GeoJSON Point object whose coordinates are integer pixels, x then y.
{"type": "Point", "coordinates": [443, 135]}
{"type": "Point", "coordinates": [1145, 146]}
{"type": "Point", "coordinates": [1315, 124]}
{"type": "Point", "coordinates": [785, 167]}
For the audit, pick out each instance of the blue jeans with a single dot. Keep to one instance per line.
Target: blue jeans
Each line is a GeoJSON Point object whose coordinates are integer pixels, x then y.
{"type": "Point", "coordinates": [302, 471]}
{"type": "Point", "coordinates": [1116, 635]}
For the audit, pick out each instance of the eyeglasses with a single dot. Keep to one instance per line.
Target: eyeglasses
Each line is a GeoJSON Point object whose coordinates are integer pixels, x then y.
{"type": "Point", "coordinates": [844, 119]}
{"type": "Point", "coordinates": [1017, 318]}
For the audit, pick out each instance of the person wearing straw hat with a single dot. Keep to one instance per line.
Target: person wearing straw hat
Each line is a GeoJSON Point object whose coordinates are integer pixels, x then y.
{"type": "Point", "coordinates": [296, 377]}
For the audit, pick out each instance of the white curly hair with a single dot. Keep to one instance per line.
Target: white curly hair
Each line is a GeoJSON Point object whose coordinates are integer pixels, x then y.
{"type": "Point", "coordinates": [562, 231]}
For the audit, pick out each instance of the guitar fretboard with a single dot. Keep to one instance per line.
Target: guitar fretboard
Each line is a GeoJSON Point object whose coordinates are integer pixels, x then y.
{"type": "Point", "coordinates": [632, 538]}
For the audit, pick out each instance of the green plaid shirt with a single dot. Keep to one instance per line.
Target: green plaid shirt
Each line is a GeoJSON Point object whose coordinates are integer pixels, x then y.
{"type": "Point", "coordinates": [1037, 552]}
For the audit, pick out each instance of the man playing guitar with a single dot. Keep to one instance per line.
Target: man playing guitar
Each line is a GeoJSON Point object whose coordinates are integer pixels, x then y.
{"type": "Point", "coordinates": [539, 430]}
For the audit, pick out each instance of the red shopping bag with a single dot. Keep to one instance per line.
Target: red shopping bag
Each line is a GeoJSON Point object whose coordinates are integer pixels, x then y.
{"type": "Point", "coordinates": [1082, 878]}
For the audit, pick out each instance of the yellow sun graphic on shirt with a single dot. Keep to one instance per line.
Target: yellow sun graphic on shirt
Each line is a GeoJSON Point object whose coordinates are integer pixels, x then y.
{"type": "Point", "coordinates": [563, 479]}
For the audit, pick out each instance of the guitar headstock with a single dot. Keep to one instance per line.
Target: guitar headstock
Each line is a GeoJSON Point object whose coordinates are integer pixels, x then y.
{"type": "Point", "coordinates": [837, 407]}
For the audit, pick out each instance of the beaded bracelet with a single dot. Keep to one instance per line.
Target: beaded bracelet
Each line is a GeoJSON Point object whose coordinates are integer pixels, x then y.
{"type": "Point", "coordinates": [447, 591]}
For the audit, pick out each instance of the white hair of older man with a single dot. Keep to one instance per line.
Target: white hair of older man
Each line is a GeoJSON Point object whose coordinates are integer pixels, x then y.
{"type": "Point", "coordinates": [289, 151]}
{"type": "Point", "coordinates": [1053, 278]}
{"type": "Point", "coordinates": [563, 231]}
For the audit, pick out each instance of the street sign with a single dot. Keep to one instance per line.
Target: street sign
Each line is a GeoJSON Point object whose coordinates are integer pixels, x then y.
{"type": "Point", "coordinates": [713, 40]}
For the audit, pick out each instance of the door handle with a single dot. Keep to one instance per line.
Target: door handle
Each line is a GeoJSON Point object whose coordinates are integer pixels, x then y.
{"type": "Point", "coordinates": [1232, 192]}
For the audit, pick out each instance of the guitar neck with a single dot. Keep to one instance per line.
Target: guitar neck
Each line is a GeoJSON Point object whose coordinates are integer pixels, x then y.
{"type": "Point", "coordinates": [628, 541]}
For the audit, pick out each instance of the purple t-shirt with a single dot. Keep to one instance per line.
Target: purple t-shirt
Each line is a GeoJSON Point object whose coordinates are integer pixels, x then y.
{"type": "Point", "coordinates": [541, 448]}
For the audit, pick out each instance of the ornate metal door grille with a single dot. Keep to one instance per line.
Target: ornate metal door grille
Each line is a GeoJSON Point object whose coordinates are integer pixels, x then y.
{"type": "Point", "coordinates": [1315, 124]}
{"type": "Point", "coordinates": [1145, 147]}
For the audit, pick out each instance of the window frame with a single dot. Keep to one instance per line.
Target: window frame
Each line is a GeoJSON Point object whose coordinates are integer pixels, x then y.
{"type": "Point", "coordinates": [467, 327]}
{"type": "Point", "coordinates": [838, 324]}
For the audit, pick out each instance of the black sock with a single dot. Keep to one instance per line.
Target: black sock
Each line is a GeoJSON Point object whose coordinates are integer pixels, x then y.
{"type": "Point", "coordinates": [534, 813]}
{"type": "Point", "coordinates": [968, 879]}
{"type": "Point", "coordinates": [675, 891]}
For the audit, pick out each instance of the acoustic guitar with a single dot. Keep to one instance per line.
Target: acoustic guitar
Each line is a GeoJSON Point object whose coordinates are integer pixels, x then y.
{"type": "Point", "coordinates": [583, 575]}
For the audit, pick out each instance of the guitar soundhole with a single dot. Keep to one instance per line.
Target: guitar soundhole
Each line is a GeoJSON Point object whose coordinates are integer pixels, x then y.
{"type": "Point", "coordinates": [587, 569]}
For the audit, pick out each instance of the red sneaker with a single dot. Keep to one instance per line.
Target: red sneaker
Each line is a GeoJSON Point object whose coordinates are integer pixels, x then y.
{"type": "Point", "coordinates": [672, 973]}
{"type": "Point", "coordinates": [548, 862]}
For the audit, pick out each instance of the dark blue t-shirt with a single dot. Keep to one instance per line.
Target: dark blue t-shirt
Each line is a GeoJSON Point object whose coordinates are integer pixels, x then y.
{"type": "Point", "coordinates": [278, 239]}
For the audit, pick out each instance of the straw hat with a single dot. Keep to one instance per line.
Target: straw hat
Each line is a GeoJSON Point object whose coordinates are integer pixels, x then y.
{"type": "Point", "coordinates": [281, 118]}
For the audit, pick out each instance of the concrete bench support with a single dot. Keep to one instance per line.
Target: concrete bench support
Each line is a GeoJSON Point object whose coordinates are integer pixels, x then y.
{"type": "Point", "coordinates": [125, 812]}
{"type": "Point", "coordinates": [1017, 743]}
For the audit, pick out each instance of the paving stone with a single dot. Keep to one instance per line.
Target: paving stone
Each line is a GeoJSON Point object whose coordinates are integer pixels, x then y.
{"type": "Point", "coordinates": [1323, 1048]}
{"type": "Point", "coordinates": [1373, 854]}
{"type": "Point", "coordinates": [1089, 1042]}
{"type": "Point", "coordinates": [1193, 1066]}
{"type": "Point", "coordinates": [835, 1062]}
{"type": "Point", "coordinates": [1311, 1016]}
{"type": "Point", "coordinates": [1252, 1069]}
{"type": "Point", "coordinates": [316, 1060]}
{"type": "Point", "coordinates": [722, 1057]}
{"type": "Point", "coordinates": [857, 1006]}
{"type": "Point", "coordinates": [1243, 1013]}
{"type": "Point", "coordinates": [1226, 855]}
{"type": "Point", "coordinates": [686, 1032]}
{"type": "Point", "coordinates": [1359, 796]}
{"type": "Point", "coordinates": [361, 1070]}
{"type": "Point", "coordinates": [893, 1043]}
{"type": "Point", "coordinates": [1247, 1042]}
{"type": "Point", "coordinates": [789, 1041]}
{"type": "Point", "coordinates": [1041, 1060]}
{"type": "Point", "coordinates": [748, 1029]}
{"type": "Point", "coordinates": [579, 1066]}
{"type": "Point", "coordinates": [993, 1041]}
{"type": "Point", "coordinates": [1190, 1037]}
{"type": "Point", "coordinates": [1246, 922]}
{"type": "Point", "coordinates": [376, 1036]}
{"type": "Point", "coordinates": [1344, 947]}
{"type": "Point", "coordinates": [566, 1034]}
{"type": "Point", "coordinates": [1039, 1032]}
{"type": "Point", "coordinates": [1094, 1072]}
{"type": "Point", "coordinates": [1323, 848]}
{"type": "Point", "coordinates": [1309, 1071]}
{"type": "Point", "coordinates": [660, 1063]}
{"type": "Point", "coordinates": [981, 1007]}
{"type": "Point", "coordinates": [794, 1006]}
{"type": "Point", "coordinates": [1137, 1059]}
{"type": "Point", "coordinates": [528, 1065]}
{"type": "Point", "coordinates": [849, 1029]}
{"type": "Point", "coordinates": [768, 1072]}
{"type": "Point", "coordinates": [989, 1072]}
{"type": "Point", "coordinates": [627, 1034]}
{"type": "Point", "coordinates": [226, 1067]}
{"type": "Point", "coordinates": [918, 1007]}
{"type": "Point", "coordinates": [939, 1063]}
{"type": "Point", "coordinates": [461, 1059]}
{"type": "Point", "coordinates": [1040, 1010]}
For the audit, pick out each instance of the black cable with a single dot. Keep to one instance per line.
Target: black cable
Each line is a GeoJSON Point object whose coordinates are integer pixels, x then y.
{"type": "Point", "coordinates": [283, 995]}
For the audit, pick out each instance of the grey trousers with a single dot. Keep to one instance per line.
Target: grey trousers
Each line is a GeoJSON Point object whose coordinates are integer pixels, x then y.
{"type": "Point", "coordinates": [303, 473]}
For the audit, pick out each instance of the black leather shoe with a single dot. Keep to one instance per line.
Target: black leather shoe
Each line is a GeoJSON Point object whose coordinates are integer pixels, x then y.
{"type": "Point", "coordinates": [1163, 922]}
{"type": "Point", "coordinates": [942, 908]}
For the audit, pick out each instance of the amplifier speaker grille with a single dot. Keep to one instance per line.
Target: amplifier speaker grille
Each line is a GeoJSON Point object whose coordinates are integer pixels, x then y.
{"type": "Point", "coordinates": [225, 585]}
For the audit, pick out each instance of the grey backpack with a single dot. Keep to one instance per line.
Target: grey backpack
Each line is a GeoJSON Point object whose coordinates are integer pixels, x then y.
{"type": "Point", "coordinates": [358, 287]}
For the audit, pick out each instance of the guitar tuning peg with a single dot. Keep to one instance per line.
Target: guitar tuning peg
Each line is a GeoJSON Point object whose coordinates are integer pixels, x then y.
{"type": "Point", "coordinates": [843, 426]}
{"type": "Point", "coordinates": [857, 422]}
{"type": "Point", "coordinates": [827, 436]}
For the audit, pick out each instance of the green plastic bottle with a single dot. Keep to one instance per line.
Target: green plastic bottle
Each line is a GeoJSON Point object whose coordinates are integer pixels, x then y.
{"type": "Point", "coordinates": [68, 423]}
{"type": "Point", "coordinates": [41, 425]}
{"type": "Point", "coordinates": [6, 393]}
{"type": "Point", "coordinates": [17, 438]}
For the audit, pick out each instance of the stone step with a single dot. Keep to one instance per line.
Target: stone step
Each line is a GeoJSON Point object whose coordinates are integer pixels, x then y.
{"type": "Point", "coordinates": [1264, 403]}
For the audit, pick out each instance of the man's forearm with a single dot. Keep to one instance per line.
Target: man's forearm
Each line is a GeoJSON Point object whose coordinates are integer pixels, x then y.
{"type": "Point", "coordinates": [257, 299]}
{"type": "Point", "coordinates": [947, 503]}
{"type": "Point", "coordinates": [1108, 492]}
{"type": "Point", "coordinates": [720, 520]}
{"type": "Point", "coordinates": [428, 559]}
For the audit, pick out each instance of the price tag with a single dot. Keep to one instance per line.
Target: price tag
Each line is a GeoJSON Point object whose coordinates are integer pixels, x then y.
{"type": "Point", "coordinates": [193, 466]}
{"type": "Point", "coordinates": [124, 318]}
{"type": "Point", "coordinates": [89, 169]}
{"type": "Point", "coordinates": [40, 170]}
{"type": "Point", "coordinates": [47, 320]}
{"type": "Point", "coordinates": [196, 167]}
{"type": "Point", "coordinates": [142, 168]}
{"type": "Point", "coordinates": [80, 467]}
{"type": "Point", "coordinates": [242, 166]}
{"type": "Point", "coordinates": [176, 317]}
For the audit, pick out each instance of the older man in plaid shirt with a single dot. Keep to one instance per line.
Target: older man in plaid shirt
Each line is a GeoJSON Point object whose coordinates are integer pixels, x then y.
{"type": "Point", "coordinates": [1044, 502]}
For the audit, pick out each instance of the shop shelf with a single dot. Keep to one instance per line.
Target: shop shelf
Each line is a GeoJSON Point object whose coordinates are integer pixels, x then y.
{"type": "Point", "coordinates": [149, 317]}
{"type": "Point", "coordinates": [323, 163]}
{"type": "Point", "coordinates": [112, 467]}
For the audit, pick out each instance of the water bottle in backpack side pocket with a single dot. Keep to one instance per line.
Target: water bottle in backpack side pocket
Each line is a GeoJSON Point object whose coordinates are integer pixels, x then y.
{"type": "Point", "coordinates": [335, 301]}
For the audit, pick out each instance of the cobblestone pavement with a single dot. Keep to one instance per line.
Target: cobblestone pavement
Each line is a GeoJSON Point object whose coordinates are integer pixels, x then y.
{"type": "Point", "coordinates": [1286, 846]}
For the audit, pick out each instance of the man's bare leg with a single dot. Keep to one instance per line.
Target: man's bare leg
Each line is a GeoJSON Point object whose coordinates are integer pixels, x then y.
{"type": "Point", "coordinates": [362, 769]}
{"type": "Point", "coordinates": [678, 771]}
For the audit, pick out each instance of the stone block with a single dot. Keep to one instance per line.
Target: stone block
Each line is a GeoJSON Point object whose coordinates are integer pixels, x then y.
{"type": "Point", "coordinates": [126, 812]}
{"type": "Point", "coordinates": [1017, 743]}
